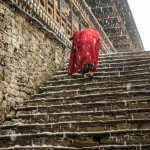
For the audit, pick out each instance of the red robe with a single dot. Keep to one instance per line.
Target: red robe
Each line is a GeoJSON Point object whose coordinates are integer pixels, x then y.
{"type": "Point", "coordinates": [84, 50]}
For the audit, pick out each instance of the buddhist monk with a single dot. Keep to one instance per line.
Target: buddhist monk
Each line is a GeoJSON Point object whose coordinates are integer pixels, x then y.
{"type": "Point", "coordinates": [84, 52]}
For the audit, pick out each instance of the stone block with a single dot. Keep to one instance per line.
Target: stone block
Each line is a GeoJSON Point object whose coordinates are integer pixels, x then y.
{"type": "Point", "coordinates": [2, 86]}
{"type": "Point", "coordinates": [11, 49]}
{"type": "Point", "coordinates": [15, 31]}
{"type": "Point", "coordinates": [1, 97]}
{"type": "Point", "coordinates": [13, 92]}
{"type": "Point", "coordinates": [13, 86]}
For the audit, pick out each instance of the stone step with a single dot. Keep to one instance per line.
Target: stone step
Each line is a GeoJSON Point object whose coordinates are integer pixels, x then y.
{"type": "Point", "coordinates": [118, 77]}
{"type": "Point", "coordinates": [73, 126]}
{"type": "Point", "coordinates": [119, 64]}
{"type": "Point", "coordinates": [40, 147]}
{"type": "Point", "coordinates": [137, 113]}
{"type": "Point", "coordinates": [100, 73]}
{"type": "Point", "coordinates": [111, 112]}
{"type": "Point", "coordinates": [129, 95]}
{"type": "Point", "coordinates": [91, 106]}
{"type": "Point", "coordinates": [121, 61]}
{"type": "Point", "coordinates": [125, 55]}
{"type": "Point", "coordinates": [146, 61]}
{"type": "Point", "coordinates": [79, 139]}
{"type": "Point", "coordinates": [90, 85]}
{"type": "Point", "coordinates": [72, 93]}
{"type": "Point", "coordinates": [110, 69]}
{"type": "Point", "coordinates": [104, 147]}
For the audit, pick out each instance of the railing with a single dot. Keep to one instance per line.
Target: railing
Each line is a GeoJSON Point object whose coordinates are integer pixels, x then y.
{"type": "Point", "coordinates": [63, 17]}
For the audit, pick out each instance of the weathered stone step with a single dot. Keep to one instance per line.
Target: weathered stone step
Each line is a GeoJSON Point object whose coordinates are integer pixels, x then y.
{"type": "Point", "coordinates": [104, 147]}
{"type": "Point", "coordinates": [110, 69]}
{"type": "Point", "coordinates": [120, 78]}
{"type": "Point", "coordinates": [130, 95]}
{"type": "Point", "coordinates": [140, 113]}
{"type": "Point", "coordinates": [72, 93]}
{"type": "Point", "coordinates": [125, 63]}
{"type": "Point", "coordinates": [73, 126]}
{"type": "Point", "coordinates": [100, 73]}
{"type": "Point", "coordinates": [121, 61]}
{"type": "Point", "coordinates": [91, 106]}
{"type": "Point", "coordinates": [125, 55]}
{"type": "Point", "coordinates": [119, 64]}
{"type": "Point", "coordinates": [89, 85]}
{"type": "Point", "coordinates": [39, 147]}
{"type": "Point", "coordinates": [79, 139]}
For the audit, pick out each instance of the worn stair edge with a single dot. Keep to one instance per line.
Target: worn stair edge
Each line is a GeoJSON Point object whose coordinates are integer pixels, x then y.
{"type": "Point", "coordinates": [138, 146]}
{"type": "Point", "coordinates": [126, 54]}
{"type": "Point", "coordinates": [78, 75]}
{"type": "Point", "coordinates": [71, 134]}
{"type": "Point", "coordinates": [54, 87]}
{"type": "Point", "coordinates": [98, 90]}
{"type": "Point", "coordinates": [77, 113]}
{"type": "Point", "coordinates": [89, 104]}
{"type": "Point", "coordinates": [98, 96]}
{"type": "Point", "coordinates": [120, 61]}
{"type": "Point", "coordinates": [122, 64]}
{"type": "Point", "coordinates": [19, 124]}
{"type": "Point", "coordinates": [71, 124]}
{"type": "Point", "coordinates": [106, 68]}
{"type": "Point", "coordinates": [111, 78]}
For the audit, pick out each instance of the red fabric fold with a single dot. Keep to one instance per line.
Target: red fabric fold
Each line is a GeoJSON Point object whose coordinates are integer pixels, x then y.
{"type": "Point", "coordinates": [84, 50]}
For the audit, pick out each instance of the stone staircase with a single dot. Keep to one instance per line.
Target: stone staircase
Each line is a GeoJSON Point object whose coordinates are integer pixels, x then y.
{"type": "Point", "coordinates": [111, 112]}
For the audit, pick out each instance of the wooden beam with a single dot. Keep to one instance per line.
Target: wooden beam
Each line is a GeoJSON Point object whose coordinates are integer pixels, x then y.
{"type": "Point", "coordinates": [112, 27]}
{"type": "Point", "coordinates": [104, 5]}
{"type": "Point", "coordinates": [126, 50]}
{"type": "Point", "coordinates": [117, 34]}
{"type": "Point", "coordinates": [124, 42]}
{"type": "Point", "coordinates": [79, 11]}
{"type": "Point", "coordinates": [101, 6]}
{"type": "Point", "coordinates": [107, 17]}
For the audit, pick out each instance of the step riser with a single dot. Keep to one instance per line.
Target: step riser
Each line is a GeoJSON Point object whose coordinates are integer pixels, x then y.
{"type": "Point", "coordinates": [94, 85]}
{"type": "Point", "coordinates": [96, 107]}
{"type": "Point", "coordinates": [103, 65]}
{"type": "Point", "coordinates": [120, 60]}
{"type": "Point", "coordinates": [106, 147]}
{"type": "Point", "coordinates": [105, 74]}
{"type": "Point", "coordinates": [123, 56]}
{"type": "Point", "coordinates": [100, 79]}
{"type": "Point", "coordinates": [128, 97]}
{"type": "Point", "coordinates": [92, 91]}
{"type": "Point", "coordinates": [93, 116]}
{"type": "Point", "coordinates": [109, 69]}
{"type": "Point", "coordinates": [80, 140]}
{"type": "Point", "coordinates": [77, 127]}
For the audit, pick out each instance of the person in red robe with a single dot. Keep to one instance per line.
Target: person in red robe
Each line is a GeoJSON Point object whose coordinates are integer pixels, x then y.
{"type": "Point", "coordinates": [84, 51]}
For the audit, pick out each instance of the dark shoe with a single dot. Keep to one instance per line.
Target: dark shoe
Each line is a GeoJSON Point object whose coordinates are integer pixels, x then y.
{"type": "Point", "coordinates": [82, 75]}
{"type": "Point", "coordinates": [91, 77]}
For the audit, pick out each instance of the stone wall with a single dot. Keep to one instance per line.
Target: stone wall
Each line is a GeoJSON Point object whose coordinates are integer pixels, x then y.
{"type": "Point", "coordinates": [28, 58]}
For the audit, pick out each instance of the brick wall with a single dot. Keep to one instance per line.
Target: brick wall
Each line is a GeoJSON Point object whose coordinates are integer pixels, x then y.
{"type": "Point", "coordinates": [28, 57]}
